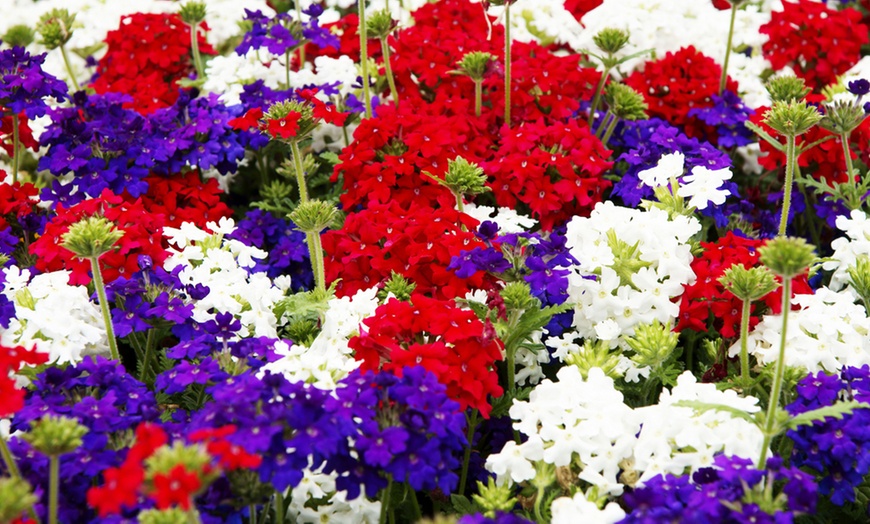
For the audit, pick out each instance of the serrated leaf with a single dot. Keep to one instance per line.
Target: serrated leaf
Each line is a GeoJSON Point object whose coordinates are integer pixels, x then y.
{"type": "Point", "coordinates": [463, 505]}
{"type": "Point", "coordinates": [707, 406]}
{"type": "Point", "coordinates": [837, 411]}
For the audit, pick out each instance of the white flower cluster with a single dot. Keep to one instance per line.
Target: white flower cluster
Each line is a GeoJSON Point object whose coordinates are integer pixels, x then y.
{"type": "Point", "coordinates": [668, 25]}
{"type": "Point", "coordinates": [316, 486]}
{"type": "Point", "coordinates": [829, 331]}
{"type": "Point", "coordinates": [329, 359]}
{"type": "Point", "coordinates": [569, 510]}
{"type": "Point", "coordinates": [219, 264]}
{"type": "Point", "coordinates": [543, 21]}
{"type": "Point", "coordinates": [508, 220]}
{"type": "Point", "coordinates": [675, 439]}
{"type": "Point", "coordinates": [608, 302]}
{"type": "Point", "coordinates": [702, 186]}
{"type": "Point", "coordinates": [848, 249]}
{"type": "Point", "coordinates": [586, 424]}
{"type": "Point", "coordinates": [40, 302]}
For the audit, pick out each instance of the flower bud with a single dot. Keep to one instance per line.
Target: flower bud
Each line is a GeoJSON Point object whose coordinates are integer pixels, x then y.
{"type": "Point", "coordinates": [17, 497]}
{"type": "Point", "coordinates": [164, 516]}
{"type": "Point", "coordinates": [595, 354]}
{"type": "Point", "coordinates": [475, 64]}
{"type": "Point", "coordinates": [653, 344]}
{"type": "Point", "coordinates": [792, 118]}
{"type": "Point", "coordinates": [492, 497]}
{"type": "Point", "coordinates": [55, 27]}
{"type": "Point", "coordinates": [625, 102]}
{"type": "Point", "coordinates": [842, 117]}
{"type": "Point", "coordinates": [786, 88]}
{"type": "Point", "coordinates": [91, 237]}
{"type": "Point", "coordinates": [192, 12]}
{"type": "Point", "coordinates": [788, 257]}
{"type": "Point", "coordinates": [859, 276]}
{"type": "Point", "coordinates": [380, 24]}
{"type": "Point", "coordinates": [20, 35]}
{"type": "Point", "coordinates": [464, 177]}
{"type": "Point", "coordinates": [748, 284]}
{"type": "Point", "coordinates": [55, 436]}
{"type": "Point", "coordinates": [399, 287]}
{"type": "Point", "coordinates": [314, 216]}
{"type": "Point", "coordinates": [517, 296]}
{"type": "Point", "coordinates": [611, 40]}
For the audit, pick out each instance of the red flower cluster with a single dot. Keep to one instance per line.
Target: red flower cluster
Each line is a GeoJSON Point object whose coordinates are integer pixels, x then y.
{"type": "Point", "coordinates": [707, 299]}
{"type": "Point", "coordinates": [819, 42]}
{"type": "Point", "coordinates": [25, 135]}
{"type": "Point", "coordinates": [554, 170]}
{"type": "Point", "coordinates": [142, 236]}
{"type": "Point", "coordinates": [12, 359]}
{"type": "Point", "coordinates": [177, 487]}
{"type": "Point", "coordinates": [16, 200]}
{"type": "Point", "coordinates": [450, 342]}
{"type": "Point", "coordinates": [677, 83]}
{"type": "Point", "coordinates": [417, 243]}
{"type": "Point", "coordinates": [580, 7]}
{"type": "Point", "coordinates": [145, 58]}
{"type": "Point", "coordinates": [288, 126]}
{"type": "Point", "coordinates": [185, 198]}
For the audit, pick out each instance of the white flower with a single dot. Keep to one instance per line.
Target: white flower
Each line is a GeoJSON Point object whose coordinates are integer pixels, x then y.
{"type": "Point", "coordinates": [670, 165]}
{"type": "Point", "coordinates": [704, 185]}
{"type": "Point", "coordinates": [567, 510]}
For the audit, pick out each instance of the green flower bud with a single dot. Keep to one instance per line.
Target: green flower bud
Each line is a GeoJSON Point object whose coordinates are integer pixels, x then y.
{"type": "Point", "coordinates": [792, 118]}
{"type": "Point", "coordinates": [91, 237]}
{"type": "Point", "coordinates": [492, 498]}
{"type": "Point", "coordinates": [440, 519]}
{"type": "Point", "coordinates": [17, 497]}
{"type": "Point", "coordinates": [653, 344]}
{"type": "Point", "coordinates": [399, 286]}
{"type": "Point", "coordinates": [247, 488]}
{"type": "Point", "coordinates": [314, 216]}
{"type": "Point", "coordinates": [625, 102]}
{"type": "Point", "coordinates": [748, 284]}
{"type": "Point", "coordinates": [475, 64]}
{"type": "Point", "coordinates": [3, 259]}
{"type": "Point", "coordinates": [595, 354]}
{"type": "Point", "coordinates": [192, 457]}
{"type": "Point", "coordinates": [611, 40]}
{"type": "Point", "coordinates": [517, 296]}
{"type": "Point", "coordinates": [786, 88]}
{"type": "Point", "coordinates": [842, 117]}
{"type": "Point", "coordinates": [464, 177]}
{"type": "Point", "coordinates": [788, 257]}
{"type": "Point", "coordinates": [306, 122]}
{"type": "Point", "coordinates": [192, 12]}
{"type": "Point", "coordinates": [55, 436]}
{"type": "Point", "coordinates": [55, 27]}
{"type": "Point", "coordinates": [859, 276]}
{"type": "Point", "coordinates": [626, 258]}
{"type": "Point", "coordinates": [20, 35]}
{"type": "Point", "coordinates": [380, 24]}
{"type": "Point", "coordinates": [164, 516]}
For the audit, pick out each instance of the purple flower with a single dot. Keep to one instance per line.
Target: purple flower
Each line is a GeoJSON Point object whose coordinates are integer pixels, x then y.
{"type": "Point", "coordinates": [24, 85]}
{"type": "Point", "coordinates": [859, 87]}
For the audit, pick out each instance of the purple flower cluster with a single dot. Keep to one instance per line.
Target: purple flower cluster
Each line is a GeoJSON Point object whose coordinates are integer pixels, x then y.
{"type": "Point", "coordinates": [288, 252]}
{"type": "Point", "coordinates": [732, 491]}
{"type": "Point", "coordinates": [24, 86]}
{"type": "Point", "coordinates": [837, 449]}
{"type": "Point", "coordinates": [274, 33]}
{"type": "Point", "coordinates": [728, 117]}
{"type": "Point", "coordinates": [107, 146]}
{"type": "Point", "coordinates": [500, 518]}
{"type": "Point", "coordinates": [102, 397]}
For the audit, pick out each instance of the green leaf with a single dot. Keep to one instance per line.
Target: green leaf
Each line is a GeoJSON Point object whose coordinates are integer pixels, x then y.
{"type": "Point", "coordinates": [532, 320]}
{"type": "Point", "coordinates": [706, 406]}
{"type": "Point", "coordinates": [330, 157]}
{"type": "Point", "coordinates": [837, 411]}
{"type": "Point", "coordinates": [463, 505]}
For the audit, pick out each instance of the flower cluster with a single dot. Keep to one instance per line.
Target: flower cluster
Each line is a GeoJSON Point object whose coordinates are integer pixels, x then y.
{"type": "Point", "coordinates": [24, 85]}
{"type": "Point", "coordinates": [12, 360]}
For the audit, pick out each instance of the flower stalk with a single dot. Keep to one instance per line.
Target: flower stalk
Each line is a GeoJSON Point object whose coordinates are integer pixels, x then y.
{"type": "Point", "coordinates": [364, 57]}
{"type": "Point", "coordinates": [724, 79]}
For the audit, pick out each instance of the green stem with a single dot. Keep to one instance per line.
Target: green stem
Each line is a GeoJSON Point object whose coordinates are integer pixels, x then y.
{"type": "Point", "coordinates": [790, 160]}
{"type": "Point", "coordinates": [776, 388]}
{"type": "Point", "coordinates": [744, 346]}
{"type": "Point", "coordinates": [315, 253]}
{"type": "Point", "coordinates": [300, 173]}
{"type": "Point", "coordinates": [385, 501]}
{"type": "Point", "coordinates": [69, 69]}
{"type": "Point", "coordinates": [252, 514]}
{"type": "Point", "coordinates": [596, 99]}
{"type": "Point", "coordinates": [53, 481]}
{"type": "Point", "coordinates": [415, 505]}
{"type": "Point", "coordinates": [478, 96]}
{"type": "Point", "coordinates": [194, 49]}
{"type": "Point", "coordinates": [507, 65]}
{"type": "Point", "coordinates": [14, 472]}
{"type": "Point", "coordinates": [149, 355]}
{"type": "Point", "coordinates": [466, 459]}
{"type": "Point", "coordinates": [609, 132]}
{"type": "Point", "coordinates": [385, 50]}
{"type": "Point", "coordinates": [364, 56]}
{"type": "Point", "coordinates": [724, 79]}
{"type": "Point", "coordinates": [104, 307]}
{"type": "Point", "coordinates": [16, 143]}
{"type": "Point", "coordinates": [605, 124]}
{"type": "Point", "coordinates": [847, 153]}
{"type": "Point", "coordinates": [279, 507]}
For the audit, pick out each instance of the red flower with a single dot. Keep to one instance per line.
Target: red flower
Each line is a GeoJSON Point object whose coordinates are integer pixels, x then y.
{"type": "Point", "coordinates": [722, 5]}
{"type": "Point", "coordinates": [459, 350]}
{"type": "Point", "coordinates": [230, 456]}
{"type": "Point", "coordinates": [121, 488]}
{"type": "Point", "coordinates": [248, 120]}
{"type": "Point", "coordinates": [819, 42]}
{"type": "Point", "coordinates": [284, 127]}
{"type": "Point", "coordinates": [149, 438]}
{"type": "Point", "coordinates": [12, 359]}
{"type": "Point", "coordinates": [176, 488]}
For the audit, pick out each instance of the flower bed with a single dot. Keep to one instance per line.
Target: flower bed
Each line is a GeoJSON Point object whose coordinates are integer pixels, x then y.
{"type": "Point", "coordinates": [512, 261]}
